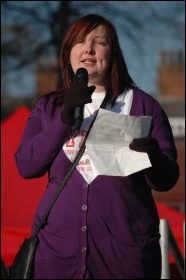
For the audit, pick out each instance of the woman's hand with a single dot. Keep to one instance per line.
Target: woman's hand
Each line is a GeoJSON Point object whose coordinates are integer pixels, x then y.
{"type": "Point", "coordinates": [147, 145]}
{"type": "Point", "coordinates": [78, 94]}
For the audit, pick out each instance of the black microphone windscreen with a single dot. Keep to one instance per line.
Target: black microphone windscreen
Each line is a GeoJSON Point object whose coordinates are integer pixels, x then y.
{"type": "Point", "coordinates": [81, 75]}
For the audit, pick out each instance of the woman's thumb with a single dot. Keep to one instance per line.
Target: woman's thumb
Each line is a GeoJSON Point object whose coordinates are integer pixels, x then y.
{"type": "Point", "coordinates": [92, 89]}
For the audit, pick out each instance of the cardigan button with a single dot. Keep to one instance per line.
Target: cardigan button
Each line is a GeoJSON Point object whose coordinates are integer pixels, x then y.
{"type": "Point", "coordinates": [84, 228]}
{"type": "Point", "coordinates": [84, 207]}
{"type": "Point", "coordinates": [84, 249]}
{"type": "Point", "coordinates": [85, 185]}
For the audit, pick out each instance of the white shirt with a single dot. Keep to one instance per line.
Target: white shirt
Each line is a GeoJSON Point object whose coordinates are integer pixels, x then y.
{"type": "Point", "coordinates": [71, 147]}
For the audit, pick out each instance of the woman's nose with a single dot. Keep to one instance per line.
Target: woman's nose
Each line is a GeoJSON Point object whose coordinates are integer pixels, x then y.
{"type": "Point", "coordinates": [89, 48]}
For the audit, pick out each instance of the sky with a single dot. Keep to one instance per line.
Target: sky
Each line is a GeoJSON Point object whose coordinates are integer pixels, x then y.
{"type": "Point", "coordinates": [142, 65]}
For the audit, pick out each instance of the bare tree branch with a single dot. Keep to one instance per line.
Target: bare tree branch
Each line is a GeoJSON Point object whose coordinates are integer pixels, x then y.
{"type": "Point", "coordinates": [34, 29]}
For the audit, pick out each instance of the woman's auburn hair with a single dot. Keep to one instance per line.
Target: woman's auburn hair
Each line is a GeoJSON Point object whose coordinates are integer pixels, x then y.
{"type": "Point", "coordinates": [118, 77]}
{"type": "Point", "coordinates": [119, 80]}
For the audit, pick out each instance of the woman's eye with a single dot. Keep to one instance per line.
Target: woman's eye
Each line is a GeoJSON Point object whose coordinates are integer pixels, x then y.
{"type": "Point", "coordinates": [100, 43]}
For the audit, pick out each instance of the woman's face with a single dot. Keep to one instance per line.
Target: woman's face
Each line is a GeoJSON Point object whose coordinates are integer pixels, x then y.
{"type": "Point", "coordinates": [94, 54]}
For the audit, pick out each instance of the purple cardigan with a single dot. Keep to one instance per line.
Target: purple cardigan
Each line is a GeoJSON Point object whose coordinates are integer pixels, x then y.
{"type": "Point", "coordinates": [108, 229]}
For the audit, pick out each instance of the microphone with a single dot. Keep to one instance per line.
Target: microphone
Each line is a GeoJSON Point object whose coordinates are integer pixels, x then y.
{"type": "Point", "coordinates": [80, 77]}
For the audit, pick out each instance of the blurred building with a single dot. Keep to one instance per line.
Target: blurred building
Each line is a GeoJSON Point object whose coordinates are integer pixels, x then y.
{"type": "Point", "coordinates": [47, 75]}
{"type": "Point", "coordinates": [171, 95]}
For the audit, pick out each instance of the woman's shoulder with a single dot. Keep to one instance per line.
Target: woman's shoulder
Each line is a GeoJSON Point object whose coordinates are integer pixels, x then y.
{"type": "Point", "coordinates": [48, 99]}
{"type": "Point", "coordinates": [143, 94]}
{"type": "Point", "coordinates": [140, 95]}
{"type": "Point", "coordinates": [145, 103]}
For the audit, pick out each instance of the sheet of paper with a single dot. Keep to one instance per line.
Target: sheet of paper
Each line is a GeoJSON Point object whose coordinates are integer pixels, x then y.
{"type": "Point", "coordinates": [108, 143]}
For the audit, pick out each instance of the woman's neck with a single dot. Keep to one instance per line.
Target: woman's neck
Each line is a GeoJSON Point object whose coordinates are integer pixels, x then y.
{"type": "Point", "coordinates": [99, 88]}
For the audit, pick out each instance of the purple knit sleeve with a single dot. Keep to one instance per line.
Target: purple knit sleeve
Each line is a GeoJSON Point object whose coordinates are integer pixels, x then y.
{"type": "Point", "coordinates": [164, 176]}
{"type": "Point", "coordinates": [41, 141]}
